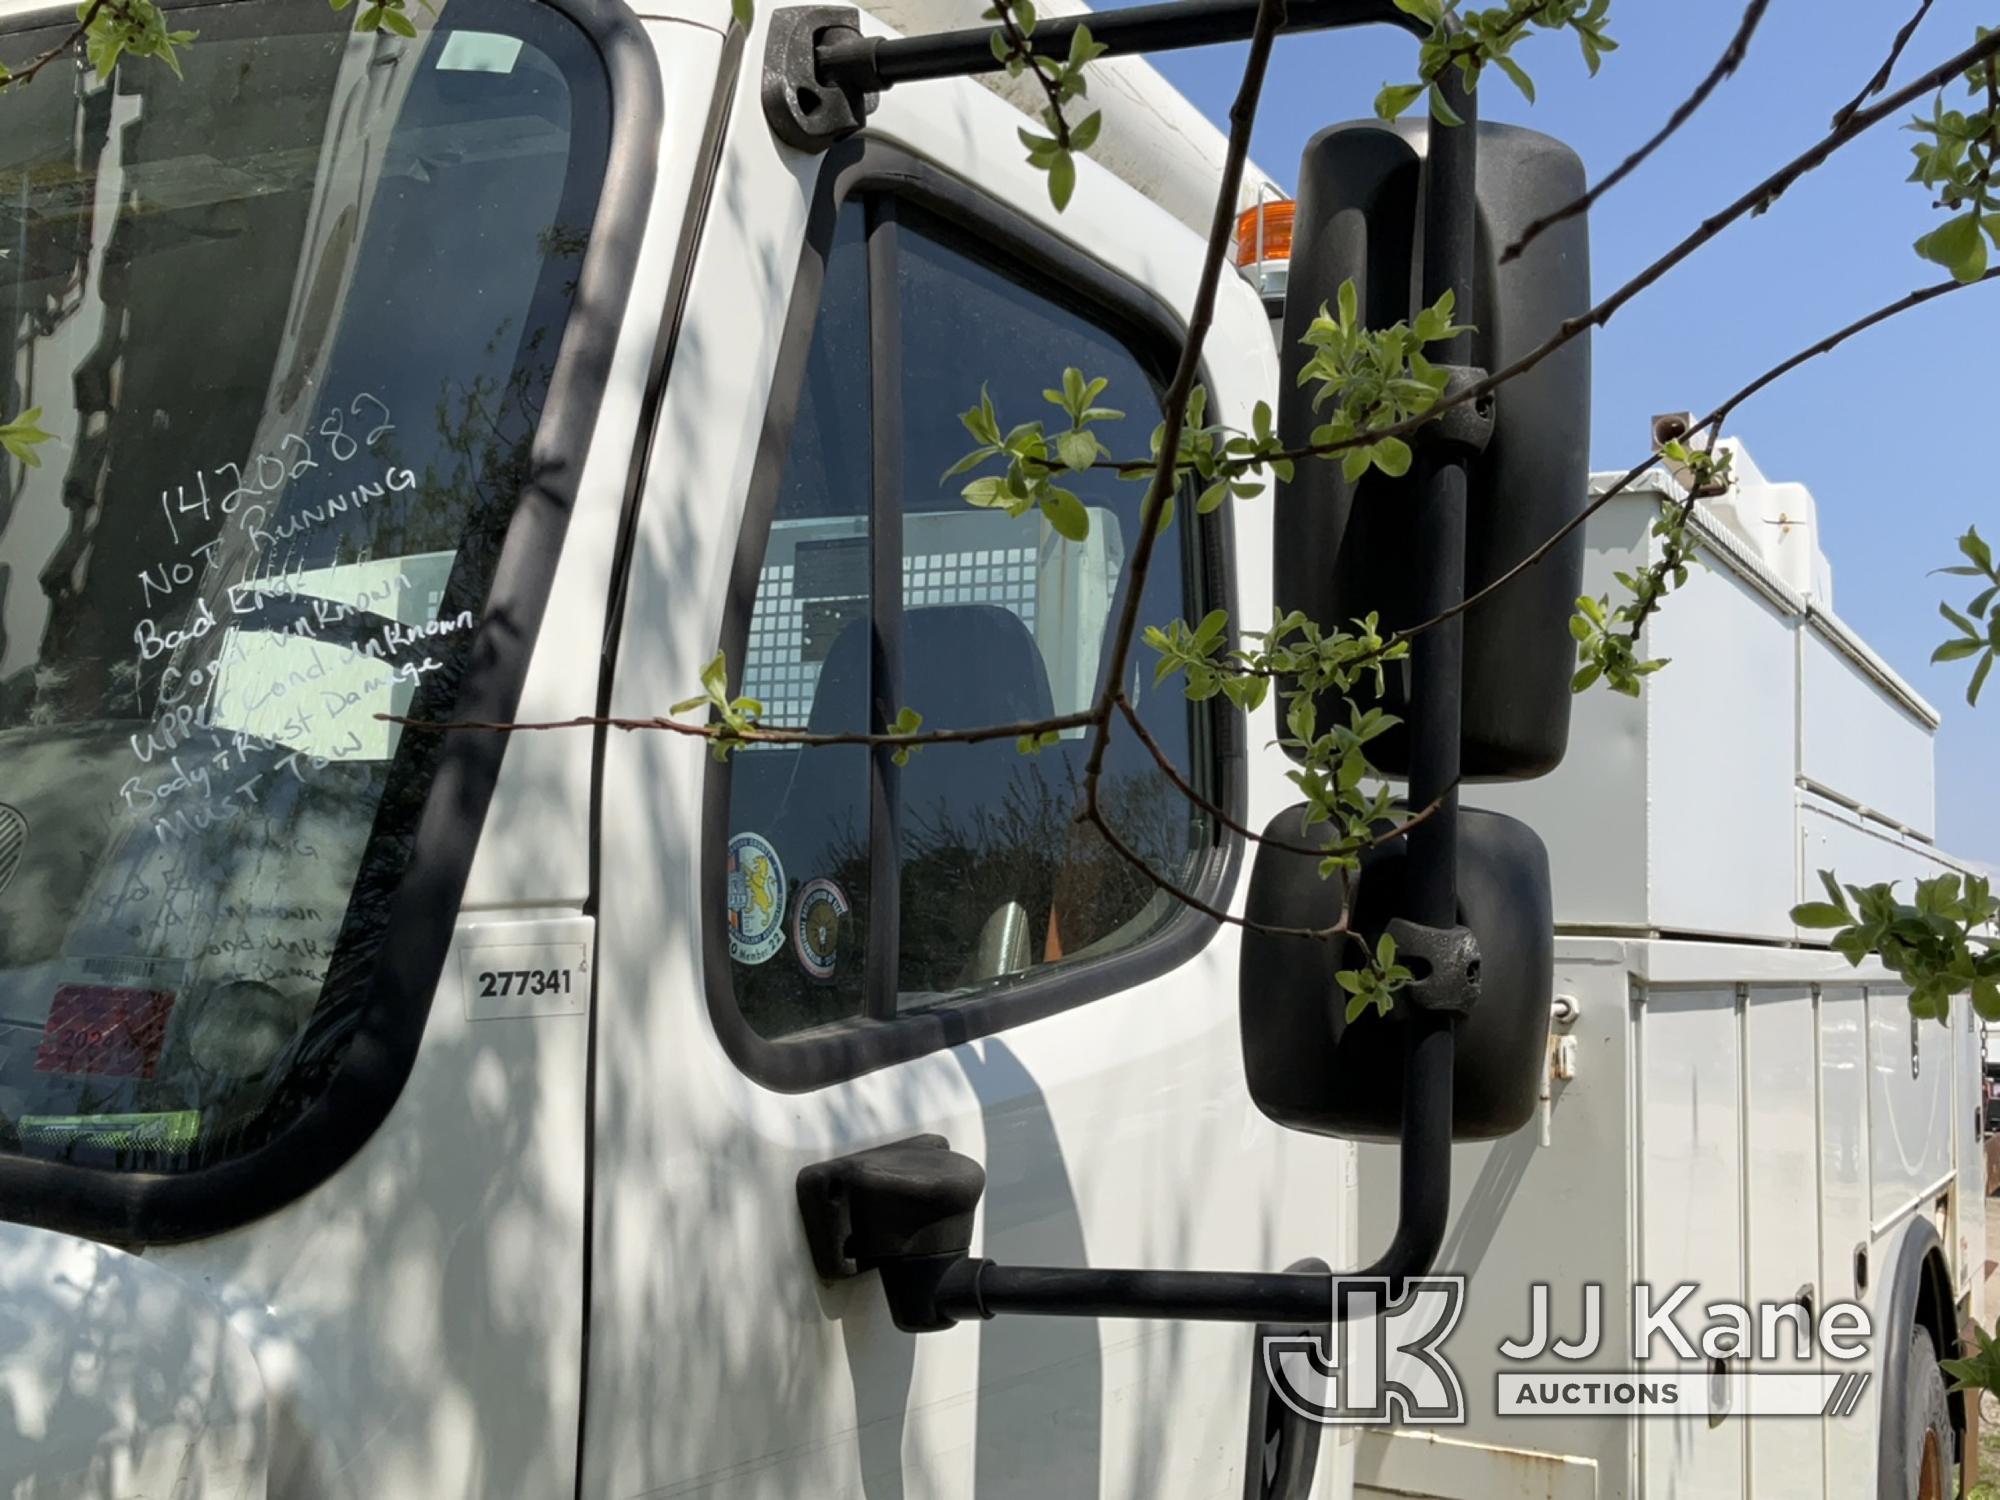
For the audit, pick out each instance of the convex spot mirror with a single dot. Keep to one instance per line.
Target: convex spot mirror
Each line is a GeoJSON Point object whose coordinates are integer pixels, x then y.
{"type": "Point", "coordinates": [1311, 1069]}
{"type": "Point", "coordinates": [1347, 550]}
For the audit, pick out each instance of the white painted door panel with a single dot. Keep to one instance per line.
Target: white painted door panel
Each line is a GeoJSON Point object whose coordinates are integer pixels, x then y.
{"type": "Point", "coordinates": [1690, 1130]}
{"type": "Point", "coordinates": [1844, 1210]}
{"type": "Point", "coordinates": [1781, 1197]}
{"type": "Point", "coordinates": [1116, 1133]}
{"type": "Point", "coordinates": [1909, 1068]}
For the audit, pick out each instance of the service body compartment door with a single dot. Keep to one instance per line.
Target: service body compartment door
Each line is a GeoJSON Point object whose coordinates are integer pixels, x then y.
{"type": "Point", "coordinates": [1781, 1198]}
{"type": "Point", "coordinates": [1691, 1214]}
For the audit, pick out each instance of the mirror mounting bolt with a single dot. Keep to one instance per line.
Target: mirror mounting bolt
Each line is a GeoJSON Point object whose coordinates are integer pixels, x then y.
{"type": "Point", "coordinates": [1466, 428]}
{"type": "Point", "coordinates": [1447, 961]}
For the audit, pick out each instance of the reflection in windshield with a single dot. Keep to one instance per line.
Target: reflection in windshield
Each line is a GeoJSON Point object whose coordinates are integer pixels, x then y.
{"type": "Point", "coordinates": [292, 321]}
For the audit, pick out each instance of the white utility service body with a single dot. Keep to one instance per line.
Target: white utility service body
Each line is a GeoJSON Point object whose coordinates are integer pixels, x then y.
{"type": "Point", "coordinates": [565, 1257]}
{"type": "Point", "coordinates": [1725, 1106]}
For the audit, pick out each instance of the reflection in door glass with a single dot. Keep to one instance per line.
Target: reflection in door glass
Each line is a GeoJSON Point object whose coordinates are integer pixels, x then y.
{"type": "Point", "coordinates": [291, 322]}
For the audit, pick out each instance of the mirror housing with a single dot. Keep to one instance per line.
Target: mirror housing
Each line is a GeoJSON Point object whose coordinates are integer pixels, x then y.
{"type": "Point", "coordinates": [1310, 1070]}
{"type": "Point", "coordinates": [1345, 550]}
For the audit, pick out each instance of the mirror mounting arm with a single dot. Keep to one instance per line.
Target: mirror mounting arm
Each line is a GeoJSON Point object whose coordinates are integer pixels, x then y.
{"type": "Point", "coordinates": [906, 1210]}
{"type": "Point", "coordinates": [823, 74]}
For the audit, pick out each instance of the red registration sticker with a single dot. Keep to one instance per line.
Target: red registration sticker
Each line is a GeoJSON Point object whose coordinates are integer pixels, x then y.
{"type": "Point", "coordinates": [106, 1030]}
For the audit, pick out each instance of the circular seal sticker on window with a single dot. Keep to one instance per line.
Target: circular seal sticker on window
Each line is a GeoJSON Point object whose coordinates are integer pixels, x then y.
{"type": "Point", "coordinates": [756, 899]}
{"type": "Point", "coordinates": [816, 924]}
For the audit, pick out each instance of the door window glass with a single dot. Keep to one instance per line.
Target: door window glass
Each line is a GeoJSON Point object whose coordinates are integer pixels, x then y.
{"type": "Point", "coordinates": [999, 620]}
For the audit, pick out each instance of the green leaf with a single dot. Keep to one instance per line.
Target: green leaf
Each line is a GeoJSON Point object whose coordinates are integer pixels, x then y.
{"type": "Point", "coordinates": [1955, 618]}
{"type": "Point", "coordinates": [1520, 78]}
{"type": "Point", "coordinates": [1395, 99]}
{"type": "Point", "coordinates": [399, 23]}
{"type": "Point", "coordinates": [1442, 112]}
{"type": "Point", "coordinates": [1978, 680]}
{"type": "Point", "coordinates": [715, 678]}
{"type": "Point", "coordinates": [1973, 545]}
{"type": "Point", "coordinates": [1986, 999]}
{"type": "Point", "coordinates": [1820, 914]}
{"type": "Point", "coordinates": [1392, 456]}
{"type": "Point", "coordinates": [1957, 650]}
{"type": "Point", "coordinates": [1077, 449]}
{"type": "Point", "coordinates": [971, 460]}
{"type": "Point", "coordinates": [1066, 513]}
{"type": "Point", "coordinates": [1062, 180]}
{"type": "Point", "coordinates": [1083, 134]}
{"type": "Point", "coordinates": [22, 436]}
{"type": "Point", "coordinates": [1959, 246]}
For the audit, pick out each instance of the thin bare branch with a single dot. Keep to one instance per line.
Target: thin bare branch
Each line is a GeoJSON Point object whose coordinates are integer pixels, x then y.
{"type": "Point", "coordinates": [1834, 340]}
{"type": "Point", "coordinates": [1019, 45]}
{"type": "Point", "coordinates": [1759, 198]}
{"type": "Point", "coordinates": [1221, 816]}
{"type": "Point", "coordinates": [1095, 817]}
{"type": "Point", "coordinates": [1712, 423]}
{"type": "Point", "coordinates": [1880, 81]}
{"type": "Point", "coordinates": [21, 77]}
{"type": "Point", "coordinates": [1731, 59]}
{"type": "Point", "coordinates": [769, 736]}
{"type": "Point", "coordinates": [1166, 471]}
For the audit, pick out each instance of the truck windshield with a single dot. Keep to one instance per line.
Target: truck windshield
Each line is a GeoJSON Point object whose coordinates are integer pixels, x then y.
{"type": "Point", "coordinates": [289, 323]}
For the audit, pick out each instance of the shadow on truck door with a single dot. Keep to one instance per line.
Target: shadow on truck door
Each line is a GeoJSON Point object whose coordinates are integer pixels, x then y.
{"type": "Point", "coordinates": [1041, 1380]}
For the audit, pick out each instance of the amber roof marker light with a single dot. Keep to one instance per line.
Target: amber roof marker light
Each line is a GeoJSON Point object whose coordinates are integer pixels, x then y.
{"type": "Point", "coordinates": [1264, 248]}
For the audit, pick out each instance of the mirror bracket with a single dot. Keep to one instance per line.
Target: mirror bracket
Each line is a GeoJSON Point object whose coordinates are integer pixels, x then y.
{"type": "Point", "coordinates": [1450, 956]}
{"type": "Point", "coordinates": [908, 1199]}
{"type": "Point", "coordinates": [805, 107]}
{"type": "Point", "coordinates": [1463, 430]}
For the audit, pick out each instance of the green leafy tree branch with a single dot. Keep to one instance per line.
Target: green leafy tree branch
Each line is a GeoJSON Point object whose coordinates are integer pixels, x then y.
{"type": "Point", "coordinates": [1373, 388]}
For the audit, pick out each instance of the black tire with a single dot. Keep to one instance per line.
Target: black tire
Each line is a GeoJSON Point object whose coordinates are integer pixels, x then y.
{"type": "Point", "coordinates": [1929, 1461]}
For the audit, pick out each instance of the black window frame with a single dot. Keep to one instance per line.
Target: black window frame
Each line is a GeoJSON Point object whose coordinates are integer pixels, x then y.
{"type": "Point", "coordinates": [141, 1208]}
{"type": "Point", "coordinates": [883, 171]}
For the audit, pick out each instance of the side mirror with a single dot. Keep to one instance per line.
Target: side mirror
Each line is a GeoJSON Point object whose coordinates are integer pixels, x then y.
{"type": "Point", "coordinates": [1347, 550]}
{"type": "Point", "coordinates": [1311, 1070]}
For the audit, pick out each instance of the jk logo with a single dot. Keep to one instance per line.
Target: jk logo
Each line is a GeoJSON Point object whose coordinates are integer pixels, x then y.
{"type": "Point", "coordinates": [1379, 1361]}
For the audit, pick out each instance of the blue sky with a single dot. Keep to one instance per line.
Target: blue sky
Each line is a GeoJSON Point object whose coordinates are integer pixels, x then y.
{"type": "Point", "coordinates": [1891, 432]}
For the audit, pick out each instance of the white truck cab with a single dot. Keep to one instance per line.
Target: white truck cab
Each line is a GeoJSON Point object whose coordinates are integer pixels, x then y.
{"type": "Point", "coordinates": [393, 1112]}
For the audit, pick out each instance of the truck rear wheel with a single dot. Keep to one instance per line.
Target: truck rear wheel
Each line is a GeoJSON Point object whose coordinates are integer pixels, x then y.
{"type": "Point", "coordinates": [1928, 1459]}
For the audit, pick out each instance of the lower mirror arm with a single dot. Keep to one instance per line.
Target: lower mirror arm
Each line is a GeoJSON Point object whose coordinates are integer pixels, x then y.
{"type": "Point", "coordinates": [936, 1289]}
